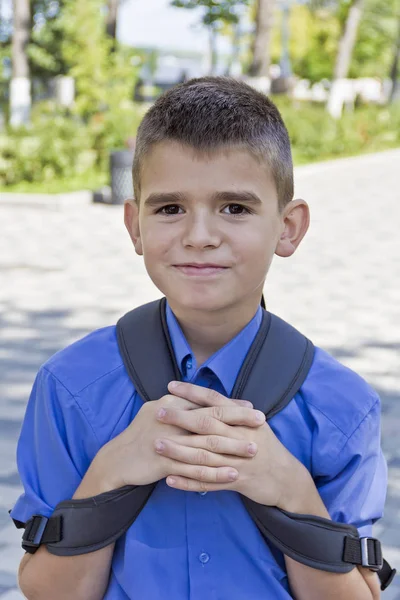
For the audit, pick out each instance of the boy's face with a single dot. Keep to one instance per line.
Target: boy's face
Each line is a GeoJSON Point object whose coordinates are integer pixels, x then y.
{"type": "Point", "coordinates": [208, 227]}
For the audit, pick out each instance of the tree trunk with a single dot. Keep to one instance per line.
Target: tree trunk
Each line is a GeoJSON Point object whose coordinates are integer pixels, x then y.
{"type": "Point", "coordinates": [348, 39]}
{"type": "Point", "coordinates": [20, 85]}
{"type": "Point", "coordinates": [262, 38]}
{"type": "Point", "coordinates": [112, 18]}
{"type": "Point", "coordinates": [212, 40]}
{"type": "Point", "coordinates": [20, 38]}
{"type": "Point", "coordinates": [233, 59]}
{"type": "Point", "coordinates": [394, 72]}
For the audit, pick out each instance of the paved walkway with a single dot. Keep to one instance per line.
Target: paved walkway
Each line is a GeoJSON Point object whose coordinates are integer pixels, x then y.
{"type": "Point", "coordinates": [69, 270]}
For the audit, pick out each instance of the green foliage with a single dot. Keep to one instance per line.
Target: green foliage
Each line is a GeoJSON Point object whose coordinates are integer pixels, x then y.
{"type": "Point", "coordinates": [58, 146]}
{"type": "Point", "coordinates": [45, 49]}
{"type": "Point", "coordinates": [313, 42]}
{"type": "Point", "coordinates": [316, 29]}
{"type": "Point", "coordinates": [52, 148]}
{"type": "Point", "coordinates": [316, 136]}
{"type": "Point", "coordinates": [62, 152]}
{"type": "Point", "coordinates": [373, 53]}
{"type": "Point", "coordinates": [85, 49]}
{"type": "Point", "coordinates": [217, 12]}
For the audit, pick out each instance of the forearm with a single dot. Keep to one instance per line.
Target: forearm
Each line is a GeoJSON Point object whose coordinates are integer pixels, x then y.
{"type": "Point", "coordinates": [307, 583]}
{"type": "Point", "coordinates": [45, 576]}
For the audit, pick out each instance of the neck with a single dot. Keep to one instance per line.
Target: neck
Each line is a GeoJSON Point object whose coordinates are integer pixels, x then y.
{"type": "Point", "coordinates": [206, 333]}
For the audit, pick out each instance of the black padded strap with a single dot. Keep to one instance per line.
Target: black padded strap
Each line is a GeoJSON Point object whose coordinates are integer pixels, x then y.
{"type": "Point", "coordinates": [278, 361]}
{"type": "Point", "coordinates": [99, 520]}
{"type": "Point", "coordinates": [143, 343]}
{"type": "Point", "coordinates": [311, 540]}
{"type": "Point", "coordinates": [86, 525]}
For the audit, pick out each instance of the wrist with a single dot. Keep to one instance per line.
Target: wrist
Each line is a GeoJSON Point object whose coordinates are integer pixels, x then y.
{"type": "Point", "coordinates": [301, 495]}
{"type": "Point", "coordinates": [96, 480]}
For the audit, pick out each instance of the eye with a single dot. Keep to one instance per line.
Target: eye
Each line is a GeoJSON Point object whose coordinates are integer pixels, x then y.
{"type": "Point", "coordinates": [237, 210]}
{"type": "Point", "coordinates": [169, 209]}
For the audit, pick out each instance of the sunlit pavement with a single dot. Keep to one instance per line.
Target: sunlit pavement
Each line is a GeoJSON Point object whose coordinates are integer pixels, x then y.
{"type": "Point", "coordinates": [67, 270]}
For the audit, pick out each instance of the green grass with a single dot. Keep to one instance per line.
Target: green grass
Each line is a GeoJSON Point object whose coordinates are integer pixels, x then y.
{"type": "Point", "coordinates": [91, 181]}
{"type": "Point", "coordinates": [299, 159]}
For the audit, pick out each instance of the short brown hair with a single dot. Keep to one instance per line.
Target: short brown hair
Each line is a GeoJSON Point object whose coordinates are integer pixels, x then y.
{"type": "Point", "coordinates": [209, 113]}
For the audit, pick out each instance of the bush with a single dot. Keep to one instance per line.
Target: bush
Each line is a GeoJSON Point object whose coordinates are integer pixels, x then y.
{"type": "Point", "coordinates": [316, 136]}
{"type": "Point", "coordinates": [58, 146]}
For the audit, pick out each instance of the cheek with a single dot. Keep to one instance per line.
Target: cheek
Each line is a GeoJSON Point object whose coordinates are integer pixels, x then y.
{"type": "Point", "coordinates": [156, 241]}
{"type": "Point", "coordinates": [255, 248]}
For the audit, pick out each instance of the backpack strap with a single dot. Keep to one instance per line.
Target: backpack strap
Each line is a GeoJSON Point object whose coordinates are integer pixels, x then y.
{"type": "Point", "coordinates": [143, 343]}
{"type": "Point", "coordinates": [274, 369]}
{"type": "Point", "coordinates": [277, 348]}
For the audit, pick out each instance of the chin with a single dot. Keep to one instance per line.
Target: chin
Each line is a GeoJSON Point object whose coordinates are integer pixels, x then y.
{"type": "Point", "coordinates": [194, 301]}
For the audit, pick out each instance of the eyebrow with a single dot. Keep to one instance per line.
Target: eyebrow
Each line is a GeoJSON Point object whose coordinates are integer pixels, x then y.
{"type": "Point", "coordinates": [240, 196]}
{"type": "Point", "coordinates": [159, 199]}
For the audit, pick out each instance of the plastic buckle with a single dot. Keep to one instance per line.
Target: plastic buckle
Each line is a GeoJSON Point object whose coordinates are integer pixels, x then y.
{"type": "Point", "coordinates": [35, 527]}
{"type": "Point", "coordinates": [364, 554]}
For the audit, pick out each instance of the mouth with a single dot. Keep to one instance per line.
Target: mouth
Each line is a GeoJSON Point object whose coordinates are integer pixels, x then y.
{"type": "Point", "coordinates": [200, 269]}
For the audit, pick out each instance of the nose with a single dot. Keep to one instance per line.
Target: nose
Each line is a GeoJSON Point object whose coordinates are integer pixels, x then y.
{"type": "Point", "coordinates": [201, 231]}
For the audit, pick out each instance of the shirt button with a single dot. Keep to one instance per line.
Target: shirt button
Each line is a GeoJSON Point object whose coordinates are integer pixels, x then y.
{"type": "Point", "coordinates": [204, 558]}
{"type": "Point", "coordinates": [202, 493]}
{"type": "Point", "coordinates": [189, 364]}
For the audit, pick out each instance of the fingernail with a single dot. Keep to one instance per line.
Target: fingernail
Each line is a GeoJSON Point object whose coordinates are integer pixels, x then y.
{"type": "Point", "coordinates": [161, 413]}
{"type": "Point", "coordinates": [159, 446]}
{"type": "Point", "coordinates": [174, 384]}
{"type": "Point", "coordinates": [252, 448]}
{"type": "Point", "coordinates": [171, 480]}
{"type": "Point", "coordinates": [260, 417]}
{"type": "Point", "coordinates": [232, 475]}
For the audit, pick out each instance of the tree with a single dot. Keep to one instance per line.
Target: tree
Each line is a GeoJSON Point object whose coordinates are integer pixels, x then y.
{"type": "Point", "coordinates": [46, 41]}
{"type": "Point", "coordinates": [262, 38]}
{"type": "Point", "coordinates": [20, 38]}
{"type": "Point", "coordinates": [216, 13]}
{"type": "Point", "coordinates": [394, 72]}
{"type": "Point", "coordinates": [111, 22]}
{"type": "Point", "coordinates": [348, 38]}
{"type": "Point", "coordinates": [20, 94]}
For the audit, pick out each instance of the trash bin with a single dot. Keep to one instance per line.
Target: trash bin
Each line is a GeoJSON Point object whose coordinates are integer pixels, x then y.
{"type": "Point", "coordinates": [121, 176]}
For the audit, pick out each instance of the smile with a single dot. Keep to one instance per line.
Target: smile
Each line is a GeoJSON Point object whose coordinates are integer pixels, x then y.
{"type": "Point", "coordinates": [200, 270]}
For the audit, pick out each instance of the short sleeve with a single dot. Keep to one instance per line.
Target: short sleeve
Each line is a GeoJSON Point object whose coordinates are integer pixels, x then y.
{"type": "Point", "coordinates": [55, 448]}
{"type": "Point", "coordinates": [355, 492]}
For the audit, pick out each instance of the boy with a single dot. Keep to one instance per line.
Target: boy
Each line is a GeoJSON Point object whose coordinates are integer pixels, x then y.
{"type": "Point", "coordinates": [213, 182]}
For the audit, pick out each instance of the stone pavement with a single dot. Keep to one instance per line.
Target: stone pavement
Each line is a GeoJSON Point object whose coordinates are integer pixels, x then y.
{"type": "Point", "coordinates": [66, 270]}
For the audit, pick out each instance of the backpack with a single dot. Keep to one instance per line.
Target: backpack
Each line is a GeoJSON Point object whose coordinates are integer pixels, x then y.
{"type": "Point", "coordinates": [274, 369]}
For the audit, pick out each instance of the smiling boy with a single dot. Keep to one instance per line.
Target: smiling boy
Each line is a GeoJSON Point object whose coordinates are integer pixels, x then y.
{"type": "Point", "coordinates": [213, 182]}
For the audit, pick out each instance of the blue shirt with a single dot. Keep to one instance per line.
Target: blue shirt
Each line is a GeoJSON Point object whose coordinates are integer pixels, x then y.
{"type": "Point", "coordinates": [186, 545]}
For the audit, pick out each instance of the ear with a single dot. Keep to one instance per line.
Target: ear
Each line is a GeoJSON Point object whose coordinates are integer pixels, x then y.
{"type": "Point", "coordinates": [131, 220]}
{"type": "Point", "coordinates": [295, 221]}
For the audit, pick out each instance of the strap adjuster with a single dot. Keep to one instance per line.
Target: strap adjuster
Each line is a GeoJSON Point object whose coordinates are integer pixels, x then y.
{"type": "Point", "coordinates": [376, 554]}
{"type": "Point", "coordinates": [33, 533]}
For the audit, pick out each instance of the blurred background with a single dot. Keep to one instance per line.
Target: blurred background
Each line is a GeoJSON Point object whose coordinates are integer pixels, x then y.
{"type": "Point", "coordinates": [76, 78]}
{"type": "Point", "coordinates": [84, 73]}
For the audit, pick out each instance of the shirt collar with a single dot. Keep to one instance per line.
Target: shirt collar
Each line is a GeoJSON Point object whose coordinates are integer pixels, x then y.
{"type": "Point", "coordinates": [226, 362]}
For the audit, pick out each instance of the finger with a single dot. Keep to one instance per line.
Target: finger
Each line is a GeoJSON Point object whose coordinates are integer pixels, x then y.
{"type": "Point", "coordinates": [218, 444]}
{"type": "Point", "coordinates": [192, 485]}
{"type": "Point", "coordinates": [195, 421]}
{"type": "Point", "coordinates": [203, 473]}
{"type": "Point", "coordinates": [177, 402]}
{"type": "Point", "coordinates": [202, 396]}
{"type": "Point", "coordinates": [208, 420]}
{"type": "Point", "coordinates": [191, 455]}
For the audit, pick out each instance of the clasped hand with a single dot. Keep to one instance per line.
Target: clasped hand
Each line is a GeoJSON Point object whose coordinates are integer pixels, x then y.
{"type": "Point", "coordinates": [231, 446]}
